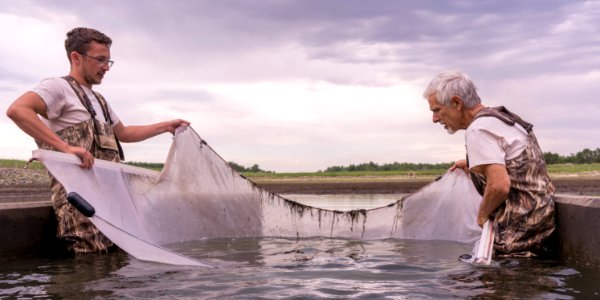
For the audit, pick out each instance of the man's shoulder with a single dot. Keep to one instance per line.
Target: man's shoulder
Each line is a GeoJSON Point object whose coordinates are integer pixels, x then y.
{"type": "Point", "coordinates": [486, 122]}
{"type": "Point", "coordinates": [52, 83]}
{"type": "Point", "coordinates": [54, 80]}
{"type": "Point", "coordinates": [52, 89]}
{"type": "Point", "coordinates": [495, 126]}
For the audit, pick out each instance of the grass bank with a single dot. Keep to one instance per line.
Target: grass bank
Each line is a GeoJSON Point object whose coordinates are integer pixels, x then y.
{"type": "Point", "coordinates": [555, 170]}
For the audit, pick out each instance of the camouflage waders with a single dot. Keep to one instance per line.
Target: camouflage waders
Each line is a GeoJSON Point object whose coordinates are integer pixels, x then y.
{"type": "Point", "coordinates": [80, 234]}
{"type": "Point", "coordinates": [527, 218]}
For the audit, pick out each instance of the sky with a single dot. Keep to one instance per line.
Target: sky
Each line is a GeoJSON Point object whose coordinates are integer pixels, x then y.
{"type": "Point", "coordinates": [299, 86]}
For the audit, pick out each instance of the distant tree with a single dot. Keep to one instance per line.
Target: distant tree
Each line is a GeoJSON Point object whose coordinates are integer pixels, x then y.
{"type": "Point", "coordinates": [237, 167]}
{"type": "Point", "coordinates": [553, 158]}
{"type": "Point", "coordinates": [585, 156]}
{"type": "Point", "coordinates": [395, 166]}
{"type": "Point", "coordinates": [254, 168]}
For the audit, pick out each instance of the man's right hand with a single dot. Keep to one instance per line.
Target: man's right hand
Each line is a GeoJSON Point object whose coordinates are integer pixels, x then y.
{"type": "Point", "coordinates": [460, 164]}
{"type": "Point", "coordinates": [87, 160]}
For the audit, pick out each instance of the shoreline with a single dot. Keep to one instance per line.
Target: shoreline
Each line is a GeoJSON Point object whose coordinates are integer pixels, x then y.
{"type": "Point", "coordinates": [17, 185]}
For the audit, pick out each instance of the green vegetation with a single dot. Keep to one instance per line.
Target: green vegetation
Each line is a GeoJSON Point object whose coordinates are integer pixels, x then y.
{"type": "Point", "coordinates": [151, 166]}
{"type": "Point", "coordinates": [15, 163]}
{"type": "Point", "coordinates": [585, 156]}
{"type": "Point", "coordinates": [254, 169]}
{"type": "Point", "coordinates": [573, 168]}
{"type": "Point", "coordinates": [584, 161]}
{"type": "Point", "coordinates": [432, 172]}
{"type": "Point", "coordinates": [396, 166]}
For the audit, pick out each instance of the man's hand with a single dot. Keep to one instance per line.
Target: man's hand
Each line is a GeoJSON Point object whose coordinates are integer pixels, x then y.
{"type": "Point", "coordinates": [87, 160]}
{"type": "Point", "coordinates": [136, 133]}
{"type": "Point", "coordinates": [173, 124]}
{"type": "Point", "coordinates": [481, 220]}
{"type": "Point", "coordinates": [460, 164]}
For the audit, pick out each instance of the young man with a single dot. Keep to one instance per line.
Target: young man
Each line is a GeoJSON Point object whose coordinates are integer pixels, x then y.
{"type": "Point", "coordinates": [75, 119]}
{"type": "Point", "coordinates": [505, 162]}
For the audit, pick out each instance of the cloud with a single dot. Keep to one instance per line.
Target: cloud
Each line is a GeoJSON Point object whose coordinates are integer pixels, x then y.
{"type": "Point", "coordinates": [302, 85]}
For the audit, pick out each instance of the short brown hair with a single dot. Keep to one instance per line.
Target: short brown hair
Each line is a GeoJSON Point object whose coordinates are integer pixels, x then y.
{"type": "Point", "coordinates": [79, 39]}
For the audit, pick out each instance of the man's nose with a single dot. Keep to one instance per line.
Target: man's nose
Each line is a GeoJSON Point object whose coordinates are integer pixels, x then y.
{"type": "Point", "coordinates": [435, 118]}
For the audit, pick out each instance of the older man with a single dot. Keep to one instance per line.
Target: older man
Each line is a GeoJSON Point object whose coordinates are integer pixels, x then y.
{"type": "Point", "coordinates": [505, 162]}
{"type": "Point", "coordinates": [65, 114]}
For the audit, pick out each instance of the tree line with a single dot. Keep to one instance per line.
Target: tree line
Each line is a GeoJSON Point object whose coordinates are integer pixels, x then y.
{"type": "Point", "coordinates": [395, 166]}
{"type": "Point", "coordinates": [254, 168]}
{"type": "Point", "coordinates": [585, 156]}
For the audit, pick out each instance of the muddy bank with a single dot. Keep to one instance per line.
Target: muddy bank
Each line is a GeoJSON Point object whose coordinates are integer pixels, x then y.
{"type": "Point", "coordinates": [33, 185]}
{"type": "Point", "coordinates": [342, 187]}
{"type": "Point", "coordinates": [574, 186]}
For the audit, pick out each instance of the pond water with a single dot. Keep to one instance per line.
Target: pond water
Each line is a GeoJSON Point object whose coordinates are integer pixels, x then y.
{"type": "Point", "coordinates": [316, 268]}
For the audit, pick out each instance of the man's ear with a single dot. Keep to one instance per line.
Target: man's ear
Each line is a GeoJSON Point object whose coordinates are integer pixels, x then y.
{"type": "Point", "coordinates": [456, 102]}
{"type": "Point", "coordinates": [75, 57]}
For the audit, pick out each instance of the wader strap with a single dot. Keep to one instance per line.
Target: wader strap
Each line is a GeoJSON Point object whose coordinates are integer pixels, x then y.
{"type": "Point", "coordinates": [505, 116]}
{"type": "Point", "coordinates": [85, 100]}
{"type": "Point", "coordinates": [107, 117]}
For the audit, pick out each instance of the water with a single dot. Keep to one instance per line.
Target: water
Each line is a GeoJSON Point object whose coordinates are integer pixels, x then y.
{"type": "Point", "coordinates": [273, 268]}
{"type": "Point", "coordinates": [316, 268]}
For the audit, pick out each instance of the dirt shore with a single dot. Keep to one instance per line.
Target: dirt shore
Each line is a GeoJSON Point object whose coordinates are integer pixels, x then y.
{"type": "Point", "coordinates": [32, 185]}
{"type": "Point", "coordinates": [564, 185]}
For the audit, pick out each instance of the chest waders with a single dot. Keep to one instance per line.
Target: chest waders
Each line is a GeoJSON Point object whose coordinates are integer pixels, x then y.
{"type": "Point", "coordinates": [79, 234]}
{"type": "Point", "coordinates": [526, 218]}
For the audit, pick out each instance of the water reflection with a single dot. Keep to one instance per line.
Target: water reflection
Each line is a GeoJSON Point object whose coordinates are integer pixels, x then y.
{"type": "Point", "coordinates": [52, 278]}
{"type": "Point", "coordinates": [518, 279]}
{"type": "Point", "coordinates": [274, 268]}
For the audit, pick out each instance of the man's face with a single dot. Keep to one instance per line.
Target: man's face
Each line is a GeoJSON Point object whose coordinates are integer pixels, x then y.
{"type": "Point", "coordinates": [448, 116]}
{"type": "Point", "coordinates": [95, 64]}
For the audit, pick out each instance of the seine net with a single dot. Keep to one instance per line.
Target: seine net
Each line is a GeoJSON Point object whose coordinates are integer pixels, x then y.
{"type": "Point", "coordinates": [199, 196]}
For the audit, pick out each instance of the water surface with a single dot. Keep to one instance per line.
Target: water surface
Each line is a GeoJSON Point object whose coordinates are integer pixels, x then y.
{"type": "Point", "coordinates": [275, 268]}
{"type": "Point", "coordinates": [315, 268]}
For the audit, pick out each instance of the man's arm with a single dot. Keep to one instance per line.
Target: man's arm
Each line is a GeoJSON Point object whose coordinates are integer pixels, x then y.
{"type": "Point", "coordinates": [131, 134]}
{"type": "Point", "coordinates": [496, 190]}
{"type": "Point", "coordinates": [24, 112]}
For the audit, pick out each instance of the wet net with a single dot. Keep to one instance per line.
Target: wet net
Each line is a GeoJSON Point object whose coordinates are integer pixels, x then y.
{"type": "Point", "coordinates": [199, 196]}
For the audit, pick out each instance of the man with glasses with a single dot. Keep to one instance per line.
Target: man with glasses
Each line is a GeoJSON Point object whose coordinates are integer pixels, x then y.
{"type": "Point", "coordinates": [77, 120]}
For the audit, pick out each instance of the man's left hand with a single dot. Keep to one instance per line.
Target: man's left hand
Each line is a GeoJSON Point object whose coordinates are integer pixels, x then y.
{"type": "Point", "coordinates": [173, 124]}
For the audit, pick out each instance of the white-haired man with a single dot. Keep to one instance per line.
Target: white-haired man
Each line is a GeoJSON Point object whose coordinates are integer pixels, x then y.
{"type": "Point", "coordinates": [505, 162]}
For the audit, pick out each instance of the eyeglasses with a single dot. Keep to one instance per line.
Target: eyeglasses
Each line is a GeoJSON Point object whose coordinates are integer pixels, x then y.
{"type": "Point", "coordinates": [101, 59]}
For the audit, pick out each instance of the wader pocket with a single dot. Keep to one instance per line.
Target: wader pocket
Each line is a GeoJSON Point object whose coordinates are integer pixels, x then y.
{"type": "Point", "coordinates": [105, 137]}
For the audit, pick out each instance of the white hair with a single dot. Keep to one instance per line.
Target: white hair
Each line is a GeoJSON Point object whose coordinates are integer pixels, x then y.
{"type": "Point", "coordinates": [453, 83]}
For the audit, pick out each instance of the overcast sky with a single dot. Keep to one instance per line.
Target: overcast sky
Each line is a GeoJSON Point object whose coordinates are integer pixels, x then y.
{"type": "Point", "coordinates": [303, 85]}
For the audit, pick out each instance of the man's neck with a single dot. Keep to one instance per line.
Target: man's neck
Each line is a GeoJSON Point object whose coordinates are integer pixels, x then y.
{"type": "Point", "coordinates": [470, 113]}
{"type": "Point", "coordinates": [80, 79]}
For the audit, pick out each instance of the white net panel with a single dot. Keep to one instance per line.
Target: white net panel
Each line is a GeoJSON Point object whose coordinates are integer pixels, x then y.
{"type": "Point", "coordinates": [199, 196]}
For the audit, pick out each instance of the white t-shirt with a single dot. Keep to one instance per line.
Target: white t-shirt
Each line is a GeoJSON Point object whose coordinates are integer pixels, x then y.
{"type": "Point", "coordinates": [491, 141]}
{"type": "Point", "coordinates": [63, 107]}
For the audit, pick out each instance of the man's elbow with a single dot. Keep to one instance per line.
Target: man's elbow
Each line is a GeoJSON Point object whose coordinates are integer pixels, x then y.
{"type": "Point", "coordinates": [501, 189]}
{"type": "Point", "coordinates": [12, 113]}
